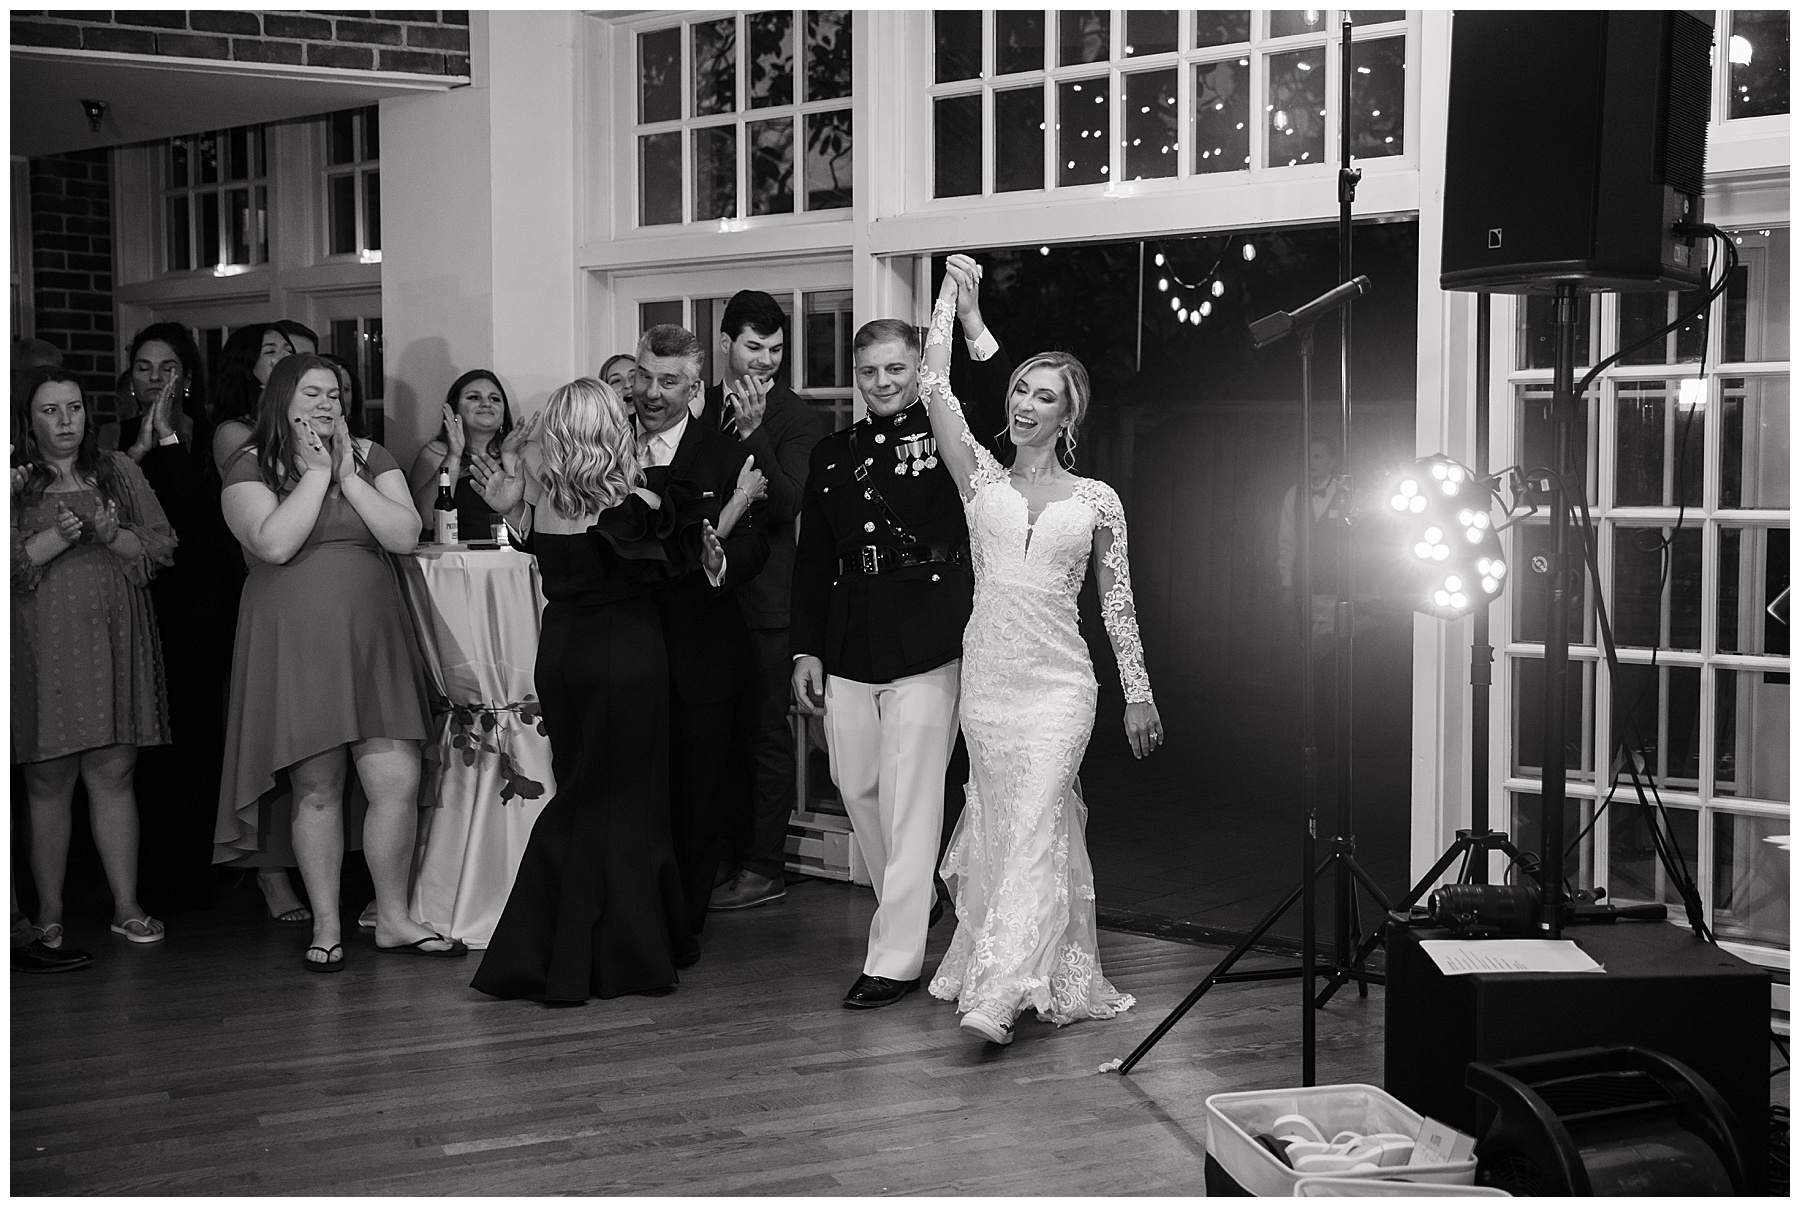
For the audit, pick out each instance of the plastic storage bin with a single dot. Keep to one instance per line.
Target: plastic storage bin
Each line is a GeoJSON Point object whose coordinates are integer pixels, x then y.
{"type": "Point", "coordinates": [1237, 1164]}
{"type": "Point", "coordinates": [1335, 1187]}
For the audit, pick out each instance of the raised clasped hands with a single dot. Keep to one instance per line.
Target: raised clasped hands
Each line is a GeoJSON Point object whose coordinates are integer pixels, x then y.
{"type": "Point", "coordinates": [967, 275]}
{"type": "Point", "coordinates": [1143, 729]}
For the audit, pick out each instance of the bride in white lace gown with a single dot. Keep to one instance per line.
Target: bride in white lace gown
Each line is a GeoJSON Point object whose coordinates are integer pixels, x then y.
{"type": "Point", "coordinates": [1018, 861]}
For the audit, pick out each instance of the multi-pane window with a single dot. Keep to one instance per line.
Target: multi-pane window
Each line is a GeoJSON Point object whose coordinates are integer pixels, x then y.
{"type": "Point", "coordinates": [215, 200]}
{"type": "Point", "coordinates": [818, 361]}
{"type": "Point", "coordinates": [744, 116]}
{"type": "Point", "coordinates": [353, 183]}
{"type": "Point", "coordinates": [1757, 48]}
{"type": "Point", "coordinates": [1683, 450]}
{"type": "Point", "coordinates": [1027, 100]}
{"type": "Point", "coordinates": [357, 342]}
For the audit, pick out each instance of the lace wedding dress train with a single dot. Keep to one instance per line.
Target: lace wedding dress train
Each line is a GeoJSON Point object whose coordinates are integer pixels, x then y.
{"type": "Point", "coordinates": [1018, 861]}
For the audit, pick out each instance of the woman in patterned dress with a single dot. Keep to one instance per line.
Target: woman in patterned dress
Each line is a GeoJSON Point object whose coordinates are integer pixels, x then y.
{"type": "Point", "coordinates": [87, 533]}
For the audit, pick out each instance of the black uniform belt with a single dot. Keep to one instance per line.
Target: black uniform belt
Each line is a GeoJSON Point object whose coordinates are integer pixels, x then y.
{"type": "Point", "coordinates": [879, 559]}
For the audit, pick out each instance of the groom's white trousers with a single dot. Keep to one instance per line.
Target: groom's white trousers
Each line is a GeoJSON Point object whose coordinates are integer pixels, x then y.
{"type": "Point", "coordinates": [890, 744]}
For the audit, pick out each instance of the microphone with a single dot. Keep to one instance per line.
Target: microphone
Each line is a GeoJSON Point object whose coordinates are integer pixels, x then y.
{"type": "Point", "coordinates": [1267, 330]}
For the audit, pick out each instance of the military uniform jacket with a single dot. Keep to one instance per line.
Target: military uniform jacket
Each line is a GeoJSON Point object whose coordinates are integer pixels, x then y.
{"type": "Point", "coordinates": [878, 628]}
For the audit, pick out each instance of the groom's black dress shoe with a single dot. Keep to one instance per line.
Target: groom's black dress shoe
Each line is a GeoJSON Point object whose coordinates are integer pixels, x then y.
{"type": "Point", "coordinates": [871, 991]}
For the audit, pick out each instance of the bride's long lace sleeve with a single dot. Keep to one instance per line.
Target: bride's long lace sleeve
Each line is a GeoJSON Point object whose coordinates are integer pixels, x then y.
{"type": "Point", "coordinates": [1112, 573]}
{"type": "Point", "coordinates": [946, 412]}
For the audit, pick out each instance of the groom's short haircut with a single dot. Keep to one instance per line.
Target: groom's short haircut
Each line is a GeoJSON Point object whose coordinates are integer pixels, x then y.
{"type": "Point", "coordinates": [881, 331]}
{"type": "Point", "coordinates": [667, 339]}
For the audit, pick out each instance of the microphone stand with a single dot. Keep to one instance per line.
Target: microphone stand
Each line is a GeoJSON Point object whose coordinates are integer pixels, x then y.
{"type": "Point", "coordinates": [1348, 960]}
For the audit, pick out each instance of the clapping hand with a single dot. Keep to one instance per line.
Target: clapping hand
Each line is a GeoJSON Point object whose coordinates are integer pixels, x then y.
{"type": "Point", "coordinates": [21, 474]}
{"type": "Point", "coordinates": [752, 403]}
{"type": "Point", "coordinates": [712, 553]}
{"type": "Point", "coordinates": [68, 524]}
{"type": "Point", "coordinates": [310, 449]}
{"type": "Point", "coordinates": [453, 431]}
{"type": "Point", "coordinates": [106, 523]}
{"type": "Point", "coordinates": [751, 481]}
{"type": "Point", "coordinates": [162, 411]}
{"type": "Point", "coordinates": [1143, 729]}
{"type": "Point", "coordinates": [343, 451]}
{"type": "Point", "coordinates": [502, 486]}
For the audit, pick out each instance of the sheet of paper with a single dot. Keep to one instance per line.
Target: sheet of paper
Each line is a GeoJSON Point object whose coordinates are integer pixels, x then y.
{"type": "Point", "coordinates": [1456, 957]}
{"type": "Point", "coordinates": [1438, 1144]}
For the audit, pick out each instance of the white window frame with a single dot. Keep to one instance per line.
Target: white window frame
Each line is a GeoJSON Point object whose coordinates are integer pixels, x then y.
{"type": "Point", "coordinates": [1699, 799]}
{"type": "Point", "coordinates": [626, 34]}
{"type": "Point", "coordinates": [921, 182]}
{"type": "Point", "coordinates": [358, 168]}
{"type": "Point", "coordinates": [221, 188]}
{"type": "Point", "coordinates": [790, 280]}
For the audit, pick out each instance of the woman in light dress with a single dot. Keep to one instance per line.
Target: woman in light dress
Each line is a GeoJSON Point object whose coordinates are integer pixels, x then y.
{"type": "Point", "coordinates": [1018, 862]}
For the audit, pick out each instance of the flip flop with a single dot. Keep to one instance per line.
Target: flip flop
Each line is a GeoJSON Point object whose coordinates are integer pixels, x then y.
{"type": "Point", "coordinates": [50, 936]}
{"type": "Point", "coordinates": [300, 915]}
{"type": "Point", "coordinates": [140, 930]}
{"type": "Point", "coordinates": [456, 950]}
{"type": "Point", "coordinates": [327, 964]}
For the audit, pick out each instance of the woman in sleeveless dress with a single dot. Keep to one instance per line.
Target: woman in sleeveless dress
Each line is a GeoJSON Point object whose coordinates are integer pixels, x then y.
{"type": "Point", "coordinates": [1018, 862]}
{"type": "Point", "coordinates": [477, 418]}
{"type": "Point", "coordinates": [597, 908]}
{"type": "Point", "coordinates": [324, 670]}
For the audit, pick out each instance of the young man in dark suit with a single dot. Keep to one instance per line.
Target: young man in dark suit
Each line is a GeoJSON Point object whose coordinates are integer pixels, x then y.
{"type": "Point", "coordinates": [709, 647]}
{"type": "Point", "coordinates": [882, 589]}
{"type": "Point", "coordinates": [769, 420]}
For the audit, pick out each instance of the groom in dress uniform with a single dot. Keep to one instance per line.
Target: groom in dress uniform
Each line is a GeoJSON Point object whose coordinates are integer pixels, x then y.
{"type": "Point", "coordinates": [882, 590]}
{"type": "Point", "coordinates": [709, 648]}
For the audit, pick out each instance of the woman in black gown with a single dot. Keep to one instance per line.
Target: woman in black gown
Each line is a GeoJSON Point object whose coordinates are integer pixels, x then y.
{"type": "Point", "coordinates": [597, 908]}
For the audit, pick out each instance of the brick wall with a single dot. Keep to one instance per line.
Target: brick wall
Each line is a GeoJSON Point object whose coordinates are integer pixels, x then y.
{"type": "Point", "coordinates": [420, 43]}
{"type": "Point", "coordinates": [72, 266]}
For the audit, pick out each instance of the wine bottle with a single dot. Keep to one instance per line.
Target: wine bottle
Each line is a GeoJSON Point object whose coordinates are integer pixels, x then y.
{"type": "Point", "coordinates": [444, 510]}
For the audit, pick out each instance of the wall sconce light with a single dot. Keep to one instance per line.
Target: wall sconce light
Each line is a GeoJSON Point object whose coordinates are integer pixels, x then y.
{"type": "Point", "coordinates": [96, 113]}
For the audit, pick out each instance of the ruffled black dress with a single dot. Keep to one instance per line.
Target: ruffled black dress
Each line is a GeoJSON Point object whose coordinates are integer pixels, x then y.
{"type": "Point", "coordinates": [597, 907]}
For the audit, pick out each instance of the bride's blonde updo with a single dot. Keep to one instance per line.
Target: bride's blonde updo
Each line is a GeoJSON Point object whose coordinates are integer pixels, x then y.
{"type": "Point", "coordinates": [590, 459]}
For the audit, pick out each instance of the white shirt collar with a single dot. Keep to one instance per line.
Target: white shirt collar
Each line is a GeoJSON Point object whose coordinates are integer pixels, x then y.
{"type": "Point", "coordinates": [661, 445]}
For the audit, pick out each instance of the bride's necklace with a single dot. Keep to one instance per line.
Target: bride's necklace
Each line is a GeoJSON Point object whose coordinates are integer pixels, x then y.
{"type": "Point", "coordinates": [1036, 474]}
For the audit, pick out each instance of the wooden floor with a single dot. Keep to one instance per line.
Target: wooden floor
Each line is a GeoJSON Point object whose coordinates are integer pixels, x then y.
{"type": "Point", "coordinates": [210, 1064]}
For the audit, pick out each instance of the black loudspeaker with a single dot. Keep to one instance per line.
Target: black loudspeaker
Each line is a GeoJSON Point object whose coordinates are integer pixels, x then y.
{"type": "Point", "coordinates": [1577, 142]}
{"type": "Point", "coordinates": [1663, 989]}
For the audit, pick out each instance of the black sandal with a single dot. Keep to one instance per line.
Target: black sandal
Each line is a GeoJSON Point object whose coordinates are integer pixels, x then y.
{"type": "Point", "coordinates": [327, 964]}
{"type": "Point", "coordinates": [455, 951]}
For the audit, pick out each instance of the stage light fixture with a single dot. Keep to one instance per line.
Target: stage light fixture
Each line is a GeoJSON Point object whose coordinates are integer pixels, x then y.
{"type": "Point", "coordinates": [1441, 512]}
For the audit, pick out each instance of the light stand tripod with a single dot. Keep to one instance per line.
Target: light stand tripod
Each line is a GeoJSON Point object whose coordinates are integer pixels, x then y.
{"type": "Point", "coordinates": [1340, 854]}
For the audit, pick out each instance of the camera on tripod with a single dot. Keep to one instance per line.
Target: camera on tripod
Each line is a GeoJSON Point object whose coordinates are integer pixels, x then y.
{"type": "Point", "coordinates": [1510, 911]}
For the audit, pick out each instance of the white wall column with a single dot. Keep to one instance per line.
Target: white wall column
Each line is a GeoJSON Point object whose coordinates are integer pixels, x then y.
{"type": "Point", "coordinates": [477, 265]}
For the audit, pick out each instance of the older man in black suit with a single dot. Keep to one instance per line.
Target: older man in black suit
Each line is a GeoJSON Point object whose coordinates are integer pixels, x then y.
{"type": "Point", "coordinates": [769, 420]}
{"type": "Point", "coordinates": [709, 647]}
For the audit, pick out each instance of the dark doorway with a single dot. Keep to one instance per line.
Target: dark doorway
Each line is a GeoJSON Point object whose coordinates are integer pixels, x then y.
{"type": "Point", "coordinates": [1199, 433]}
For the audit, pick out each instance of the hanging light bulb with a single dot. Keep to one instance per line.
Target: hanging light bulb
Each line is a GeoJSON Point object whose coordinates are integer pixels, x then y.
{"type": "Point", "coordinates": [1175, 303]}
{"type": "Point", "coordinates": [1218, 289]}
{"type": "Point", "coordinates": [1249, 250]}
{"type": "Point", "coordinates": [1205, 307]}
{"type": "Point", "coordinates": [1159, 259]}
{"type": "Point", "coordinates": [1162, 283]}
{"type": "Point", "coordinates": [1181, 316]}
{"type": "Point", "coordinates": [1194, 317]}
